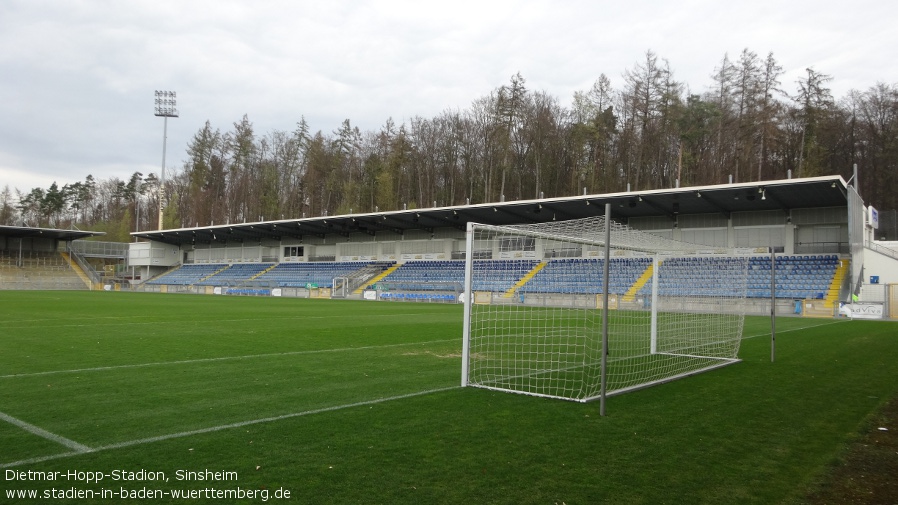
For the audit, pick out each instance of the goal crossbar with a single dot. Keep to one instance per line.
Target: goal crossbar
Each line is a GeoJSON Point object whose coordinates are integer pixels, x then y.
{"type": "Point", "coordinates": [661, 244]}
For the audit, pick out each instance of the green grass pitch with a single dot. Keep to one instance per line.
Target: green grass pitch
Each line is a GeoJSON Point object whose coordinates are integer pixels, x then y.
{"type": "Point", "coordinates": [359, 402]}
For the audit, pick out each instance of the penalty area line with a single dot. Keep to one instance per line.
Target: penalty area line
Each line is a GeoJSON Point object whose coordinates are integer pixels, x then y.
{"type": "Point", "coordinates": [211, 429]}
{"type": "Point", "coordinates": [222, 358]}
{"type": "Point", "coordinates": [149, 440]}
{"type": "Point", "coordinates": [129, 320]}
{"type": "Point", "coordinates": [35, 430]}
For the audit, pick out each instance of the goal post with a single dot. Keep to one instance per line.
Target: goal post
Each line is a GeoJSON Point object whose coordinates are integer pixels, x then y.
{"type": "Point", "coordinates": [679, 308]}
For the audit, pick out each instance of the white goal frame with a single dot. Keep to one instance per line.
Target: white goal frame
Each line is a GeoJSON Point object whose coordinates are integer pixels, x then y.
{"type": "Point", "coordinates": [680, 331]}
{"type": "Point", "coordinates": [339, 287]}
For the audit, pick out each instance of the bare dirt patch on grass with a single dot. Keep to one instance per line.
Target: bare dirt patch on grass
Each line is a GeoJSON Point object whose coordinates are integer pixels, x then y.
{"type": "Point", "coordinates": [867, 472]}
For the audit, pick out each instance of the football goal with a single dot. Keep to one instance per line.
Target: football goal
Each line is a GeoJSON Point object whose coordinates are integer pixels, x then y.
{"type": "Point", "coordinates": [339, 287]}
{"type": "Point", "coordinates": [585, 308]}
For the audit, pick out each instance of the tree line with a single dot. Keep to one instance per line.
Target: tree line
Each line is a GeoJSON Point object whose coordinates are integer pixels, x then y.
{"type": "Point", "coordinates": [513, 143]}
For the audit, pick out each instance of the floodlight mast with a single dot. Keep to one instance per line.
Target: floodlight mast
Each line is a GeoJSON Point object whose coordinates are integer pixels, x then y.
{"type": "Point", "coordinates": [166, 107]}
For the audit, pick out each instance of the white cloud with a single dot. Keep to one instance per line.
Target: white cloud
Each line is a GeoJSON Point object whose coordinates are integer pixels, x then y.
{"type": "Point", "coordinates": [79, 76]}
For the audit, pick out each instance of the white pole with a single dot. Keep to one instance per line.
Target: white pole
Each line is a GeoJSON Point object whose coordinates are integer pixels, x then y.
{"type": "Point", "coordinates": [605, 279]}
{"type": "Point", "coordinates": [166, 106]}
{"type": "Point", "coordinates": [162, 176]}
{"type": "Point", "coordinates": [772, 305]}
{"type": "Point", "coordinates": [468, 293]}
{"type": "Point", "coordinates": [656, 263]}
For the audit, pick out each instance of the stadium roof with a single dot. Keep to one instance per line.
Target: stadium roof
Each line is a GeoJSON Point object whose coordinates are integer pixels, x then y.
{"type": "Point", "coordinates": [50, 233]}
{"type": "Point", "coordinates": [786, 194]}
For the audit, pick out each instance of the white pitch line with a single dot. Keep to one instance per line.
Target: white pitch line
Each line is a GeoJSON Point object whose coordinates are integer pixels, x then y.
{"type": "Point", "coordinates": [269, 419]}
{"type": "Point", "coordinates": [71, 444]}
{"type": "Point", "coordinates": [41, 459]}
{"type": "Point", "coordinates": [211, 429]}
{"type": "Point", "coordinates": [792, 329]}
{"type": "Point", "coordinates": [223, 358]}
{"type": "Point", "coordinates": [129, 320]}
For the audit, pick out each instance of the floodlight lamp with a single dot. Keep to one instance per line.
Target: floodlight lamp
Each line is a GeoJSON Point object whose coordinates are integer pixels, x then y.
{"type": "Point", "coordinates": [166, 104]}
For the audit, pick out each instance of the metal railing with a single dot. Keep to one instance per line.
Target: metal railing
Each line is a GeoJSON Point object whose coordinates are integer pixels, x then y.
{"type": "Point", "coordinates": [885, 251]}
{"type": "Point", "coordinates": [822, 248]}
{"type": "Point", "coordinates": [97, 249]}
{"type": "Point", "coordinates": [86, 267]}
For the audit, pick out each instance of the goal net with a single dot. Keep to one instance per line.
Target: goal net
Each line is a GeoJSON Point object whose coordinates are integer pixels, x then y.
{"type": "Point", "coordinates": [534, 323]}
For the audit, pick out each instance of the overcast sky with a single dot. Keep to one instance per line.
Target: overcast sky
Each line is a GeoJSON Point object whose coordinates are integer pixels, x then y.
{"type": "Point", "coordinates": [77, 78]}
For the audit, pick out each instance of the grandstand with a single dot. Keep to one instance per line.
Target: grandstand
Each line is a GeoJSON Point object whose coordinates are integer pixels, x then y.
{"type": "Point", "coordinates": [187, 275]}
{"type": "Point", "coordinates": [272, 275]}
{"type": "Point", "coordinates": [297, 275]}
{"type": "Point", "coordinates": [44, 258]}
{"type": "Point", "coordinates": [815, 226]}
{"type": "Point", "coordinates": [500, 275]}
{"type": "Point", "coordinates": [40, 271]}
{"type": "Point", "coordinates": [797, 277]}
{"type": "Point", "coordinates": [584, 276]}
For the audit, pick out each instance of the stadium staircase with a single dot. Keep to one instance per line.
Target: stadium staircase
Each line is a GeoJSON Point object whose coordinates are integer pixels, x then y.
{"type": "Point", "coordinates": [213, 274]}
{"type": "Point", "coordinates": [525, 279]}
{"type": "Point", "coordinates": [77, 269]}
{"type": "Point", "coordinates": [630, 295]}
{"type": "Point", "coordinates": [832, 294]}
{"type": "Point", "coordinates": [377, 278]}
{"type": "Point", "coordinates": [263, 272]}
{"type": "Point", "coordinates": [169, 271]}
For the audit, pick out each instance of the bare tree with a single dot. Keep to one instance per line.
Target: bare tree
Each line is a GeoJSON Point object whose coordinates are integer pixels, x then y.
{"type": "Point", "coordinates": [768, 108]}
{"type": "Point", "coordinates": [814, 101]}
